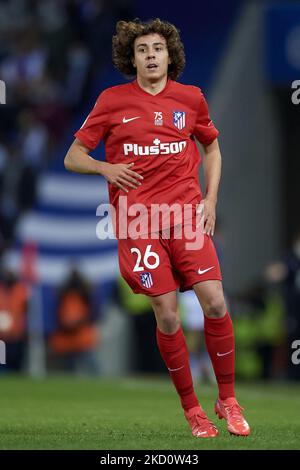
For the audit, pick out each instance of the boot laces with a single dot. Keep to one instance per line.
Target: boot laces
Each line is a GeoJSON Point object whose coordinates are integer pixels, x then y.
{"type": "Point", "coordinates": [200, 420]}
{"type": "Point", "coordinates": [234, 412]}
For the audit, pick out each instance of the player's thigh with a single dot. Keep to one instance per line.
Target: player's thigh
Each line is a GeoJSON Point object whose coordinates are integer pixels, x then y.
{"type": "Point", "coordinates": [167, 301]}
{"type": "Point", "coordinates": [211, 297]}
{"type": "Point", "coordinates": [166, 311]}
{"type": "Point", "coordinates": [146, 267]}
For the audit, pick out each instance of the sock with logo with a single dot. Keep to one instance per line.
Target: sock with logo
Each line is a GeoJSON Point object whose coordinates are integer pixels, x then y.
{"type": "Point", "coordinates": [175, 354]}
{"type": "Point", "coordinates": [219, 338]}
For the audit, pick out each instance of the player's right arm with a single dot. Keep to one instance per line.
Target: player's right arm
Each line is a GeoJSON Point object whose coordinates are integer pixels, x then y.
{"type": "Point", "coordinates": [120, 175]}
{"type": "Point", "coordinates": [87, 138]}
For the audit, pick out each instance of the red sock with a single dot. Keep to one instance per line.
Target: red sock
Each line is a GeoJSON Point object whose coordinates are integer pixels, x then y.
{"type": "Point", "coordinates": [175, 355]}
{"type": "Point", "coordinates": [219, 339]}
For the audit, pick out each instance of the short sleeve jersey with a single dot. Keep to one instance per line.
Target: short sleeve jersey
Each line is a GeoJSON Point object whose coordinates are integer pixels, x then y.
{"type": "Point", "coordinates": [157, 133]}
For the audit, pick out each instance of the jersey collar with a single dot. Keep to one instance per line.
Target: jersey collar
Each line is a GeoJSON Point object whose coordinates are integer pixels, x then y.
{"type": "Point", "coordinates": [144, 93]}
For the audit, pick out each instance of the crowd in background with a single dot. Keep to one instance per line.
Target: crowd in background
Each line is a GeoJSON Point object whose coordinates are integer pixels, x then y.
{"type": "Point", "coordinates": [49, 54]}
{"type": "Point", "coordinates": [266, 322]}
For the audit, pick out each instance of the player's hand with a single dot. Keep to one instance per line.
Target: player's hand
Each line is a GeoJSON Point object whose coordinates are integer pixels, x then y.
{"type": "Point", "coordinates": [206, 215]}
{"type": "Point", "coordinates": [120, 175]}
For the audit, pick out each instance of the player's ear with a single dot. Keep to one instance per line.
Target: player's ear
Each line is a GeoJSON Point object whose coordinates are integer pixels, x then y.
{"type": "Point", "coordinates": [133, 62]}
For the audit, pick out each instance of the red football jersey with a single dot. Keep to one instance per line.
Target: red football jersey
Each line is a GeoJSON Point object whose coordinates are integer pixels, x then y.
{"type": "Point", "coordinates": [157, 133]}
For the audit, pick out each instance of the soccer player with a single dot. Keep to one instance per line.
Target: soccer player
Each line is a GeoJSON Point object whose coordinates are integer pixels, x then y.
{"type": "Point", "coordinates": [149, 127]}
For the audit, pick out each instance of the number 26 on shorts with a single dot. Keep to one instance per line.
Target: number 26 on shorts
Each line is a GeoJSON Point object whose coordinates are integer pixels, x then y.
{"type": "Point", "coordinates": [148, 254]}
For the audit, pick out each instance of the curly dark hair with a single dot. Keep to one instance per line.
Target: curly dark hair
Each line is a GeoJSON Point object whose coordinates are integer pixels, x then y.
{"type": "Point", "coordinates": [128, 31]}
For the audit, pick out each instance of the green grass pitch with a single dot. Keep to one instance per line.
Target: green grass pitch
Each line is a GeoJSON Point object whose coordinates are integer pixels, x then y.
{"type": "Point", "coordinates": [133, 413]}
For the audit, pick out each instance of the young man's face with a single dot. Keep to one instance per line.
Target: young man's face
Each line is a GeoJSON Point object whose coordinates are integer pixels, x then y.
{"type": "Point", "coordinates": [151, 57]}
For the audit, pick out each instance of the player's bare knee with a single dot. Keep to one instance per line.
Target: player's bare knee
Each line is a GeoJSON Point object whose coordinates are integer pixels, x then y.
{"type": "Point", "coordinates": [168, 322]}
{"type": "Point", "coordinates": [215, 308]}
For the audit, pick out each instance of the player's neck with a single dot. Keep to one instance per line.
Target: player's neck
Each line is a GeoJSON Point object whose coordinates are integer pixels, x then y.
{"type": "Point", "coordinates": [153, 88]}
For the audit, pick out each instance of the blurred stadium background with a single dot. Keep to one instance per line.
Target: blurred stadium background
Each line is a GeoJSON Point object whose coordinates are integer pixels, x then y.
{"type": "Point", "coordinates": [63, 306]}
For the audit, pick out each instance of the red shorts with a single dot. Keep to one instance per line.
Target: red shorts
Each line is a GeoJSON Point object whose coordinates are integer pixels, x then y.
{"type": "Point", "coordinates": [157, 266]}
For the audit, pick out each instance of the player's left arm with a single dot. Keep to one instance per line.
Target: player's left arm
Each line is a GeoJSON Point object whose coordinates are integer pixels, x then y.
{"type": "Point", "coordinates": [212, 163]}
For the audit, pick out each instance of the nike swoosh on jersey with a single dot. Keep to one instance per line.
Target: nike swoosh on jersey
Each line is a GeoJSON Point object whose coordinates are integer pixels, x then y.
{"type": "Point", "coordinates": [224, 354]}
{"type": "Point", "coordinates": [130, 119]}
{"type": "Point", "coordinates": [204, 270]}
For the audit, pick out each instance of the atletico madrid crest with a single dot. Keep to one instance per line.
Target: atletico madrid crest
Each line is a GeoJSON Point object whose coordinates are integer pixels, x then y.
{"type": "Point", "coordinates": [179, 119]}
{"type": "Point", "coordinates": [146, 280]}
